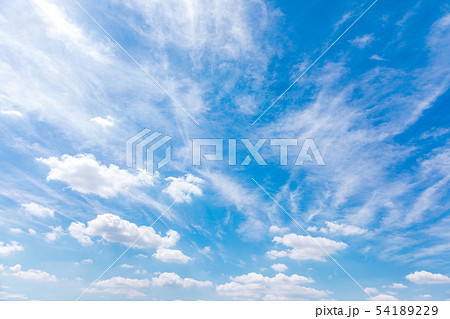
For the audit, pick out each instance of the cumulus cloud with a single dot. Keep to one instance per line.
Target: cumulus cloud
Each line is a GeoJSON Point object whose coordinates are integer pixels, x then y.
{"type": "Point", "coordinates": [424, 277]}
{"type": "Point", "coordinates": [305, 248]}
{"type": "Point", "coordinates": [181, 188]}
{"type": "Point", "coordinates": [85, 175]}
{"type": "Point", "coordinates": [278, 230]}
{"type": "Point", "coordinates": [343, 229]}
{"type": "Point", "coordinates": [126, 266]}
{"type": "Point", "coordinates": [7, 249]}
{"type": "Point", "coordinates": [172, 279]}
{"type": "Point", "coordinates": [55, 234]}
{"type": "Point", "coordinates": [16, 230]}
{"type": "Point", "coordinates": [103, 122]}
{"type": "Point", "coordinates": [112, 228]}
{"type": "Point", "coordinates": [384, 297]}
{"type": "Point", "coordinates": [279, 267]}
{"type": "Point", "coordinates": [255, 286]}
{"type": "Point", "coordinates": [134, 288]}
{"type": "Point", "coordinates": [171, 256]}
{"type": "Point", "coordinates": [130, 288]}
{"type": "Point", "coordinates": [371, 291]}
{"type": "Point", "coordinates": [30, 274]}
{"type": "Point", "coordinates": [38, 210]}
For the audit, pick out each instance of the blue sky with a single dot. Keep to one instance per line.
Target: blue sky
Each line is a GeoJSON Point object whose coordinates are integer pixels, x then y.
{"type": "Point", "coordinates": [376, 105]}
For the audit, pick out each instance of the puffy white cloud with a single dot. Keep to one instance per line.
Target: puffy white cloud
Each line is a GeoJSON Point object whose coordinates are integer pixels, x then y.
{"type": "Point", "coordinates": [7, 249]}
{"type": "Point", "coordinates": [38, 210]}
{"type": "Point", "coordinates": [278, 230]}
{"type": "Point", "coordinates": [171, 256]}
{"type": "Point", "coordinates": [126, 266]}
{"type": "Point", "coordinates": [424, 277]}
{"type": "Point", "coordinates": [121, 282]}
{"type": "Point", "coordinates": [9, 296]}
{"type": "Point", "coordinates": [130, 288]}
{"type": "Point", "coordinates": [30, 274]}
{"type": "Point", "coordinates": [172, 279]}
{"type": "Point", "coordinates": [85, 175]}
{"type": "Point", "coordinates": [397, 286]}
{"type": "Point", "coordinates": [255, 286]}
{"type": "Point", "coordinates": [371, 291]}
{"type": "Point", "coordinates": [134, 288]}
{"type": "Point", "coordinates": [116, 230]}
{"type": "Point", "coordinates": [343, 229]}
{"type": "Point", "coordinates": [279, 267]}
{"type": "Point", "coordinates": [305, 247]}
{"type": "Point", "coordinates": [384, 297]}
{"type": "Point", "coordinates": [182, 188]}
{"type": "Point", "coordinates": [31, 231]}
{"type": "Point", "coordinates": [55, 234]}
{"type": "Point", "coordinates": [103, 122]}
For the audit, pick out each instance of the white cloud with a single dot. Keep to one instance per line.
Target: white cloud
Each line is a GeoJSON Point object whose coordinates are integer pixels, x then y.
{"type": "Point", "coordinates": [255, 286]}
{"type": "Point", "coordinates": [171, 256]}
{"type": "Point", "coordinates": [278, 230]}
{"type": "Point", "coordinates": [312, 229]}
{"type": "Point", "coordinates": [55, 234]}
{"type": "Point", "coordinates": [103, 122]}
{"type": "Point", "coordinates": [397, 286]}
{"type": "Point", "coordinates": [371, 291]}
{"type": "Point", "coordinates": [16, 230]}
{"type": "Point", "coordinates": [30, 274]}
{"type": "Point", "coordinates": [11, 113]}
{"type": "Point", "coordinates": [384, 297]}
{"type": "Point", "coordinates": [9, 296]}
{"type": "Point", "coordinates": [120, 282]}
{"type": "Point", "coordinates": [425, 296]}
{"type": "Point", "coordinates": [343, 229]}
{"type": "Point", "coordinates": [116, 230]}
{"type": "Point", "coordinates": [87, 261]}
{"type": "Point", "coordinates": [31, 231]}
{"type": "Point", "coordinates": [279, 267]}
{"type": "Point", "coordinates": [172, 279]}
{"type": "Point", "coordinates": [130, 288]}
{"type": "Point", "coordinates": [140, 272]}
{"type": "Point", "coordinates": [38, 210]}
{"type": "Point", "coordinates": [362, 41]}
{"type": "Point", "coordinates": [126, 266]}
{"type": "Point", "coordinates": [7, 249]}
{"type": "Point", "coordinates": [305, 248]}
{"type": "Point", "coordinates": [182, 188]}
{"type": "Point", "coordinates": [377, 57]}
{"type": "Point", "coordinates": [60, 27]}
{"type": "Point", "coordinates": [424, 277]}
{"type": "Point", "coordinates": [85, 175]}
